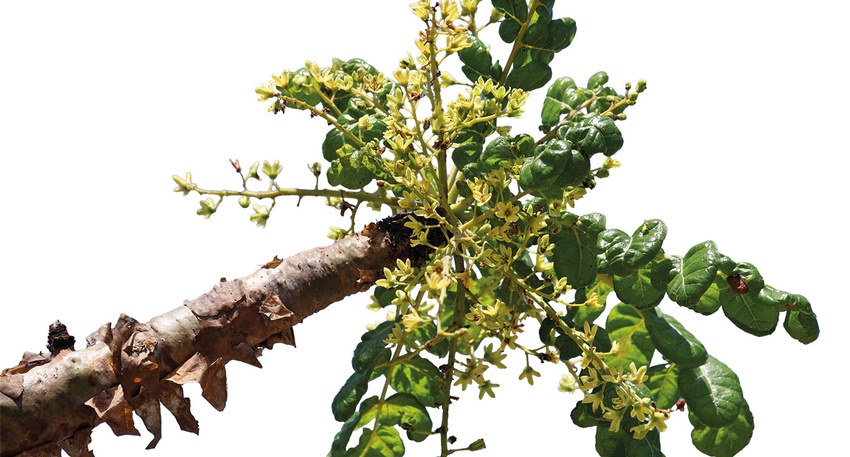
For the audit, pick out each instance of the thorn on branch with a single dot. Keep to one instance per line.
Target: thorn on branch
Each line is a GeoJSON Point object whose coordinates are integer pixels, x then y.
{"type": "Point", "coordinates": [273, 263]}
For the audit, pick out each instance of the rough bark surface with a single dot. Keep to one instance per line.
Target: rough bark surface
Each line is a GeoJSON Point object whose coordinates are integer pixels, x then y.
{"type": "Point", "coordinates": [52, 403]}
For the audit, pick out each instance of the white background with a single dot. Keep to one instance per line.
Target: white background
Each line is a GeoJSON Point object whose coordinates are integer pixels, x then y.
{"type": "Point", "coordinates": [740, 138]}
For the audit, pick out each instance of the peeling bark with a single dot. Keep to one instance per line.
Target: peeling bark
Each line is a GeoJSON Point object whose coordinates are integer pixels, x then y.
{"type": "Point", "coordinates": [52, 404]}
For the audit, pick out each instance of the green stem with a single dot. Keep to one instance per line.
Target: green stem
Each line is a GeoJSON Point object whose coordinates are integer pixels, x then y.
{"type": "Point", "coordinates": [320, 113]}
{"type": "Point", "coordinates": [438, 113]}
{"type": "Point", "coordinates": [588, 351]}
{"type": "Point", "coordinates": [518, 42]}
{"type": "Point", "coordinates": [459, 312]}
{"type": "Point", "coordinates": [383, 397]}
{"type": "Point", "coordinates": [488, 214]}
{"type": "Point", "coordinates": [357, 195]}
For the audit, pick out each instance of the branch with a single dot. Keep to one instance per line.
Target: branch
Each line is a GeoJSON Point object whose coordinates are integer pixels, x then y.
{"type": "Point", "coordinates": [133, 367]}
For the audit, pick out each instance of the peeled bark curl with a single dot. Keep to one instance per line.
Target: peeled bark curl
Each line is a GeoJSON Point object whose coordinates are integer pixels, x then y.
{"type": "Point", "coordinates": [52, 404]}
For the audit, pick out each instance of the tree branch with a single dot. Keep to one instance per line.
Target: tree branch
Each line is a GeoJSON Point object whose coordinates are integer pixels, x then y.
{"type": "Point", "coordinates": [52, 404]}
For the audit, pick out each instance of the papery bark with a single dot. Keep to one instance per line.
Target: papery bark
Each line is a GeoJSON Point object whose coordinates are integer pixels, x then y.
{"type": "Point", "coordinates": [134, 367]}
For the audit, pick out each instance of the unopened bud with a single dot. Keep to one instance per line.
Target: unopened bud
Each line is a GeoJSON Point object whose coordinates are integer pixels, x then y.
{"type": "Point", "coordinates": [477, 445]}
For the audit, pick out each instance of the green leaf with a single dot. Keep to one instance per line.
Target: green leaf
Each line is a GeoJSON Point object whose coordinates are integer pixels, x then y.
{"type": "Point", "coordinates": [547, 35]}
{"type": "Point", "coordinates": [546, 332]}
{"type": "Point", "coordinates": [583, 415]}
{"type": "Point", "coordinates": [750, 276]}
{"type": "Point", "coordinates": [594, 135]}
{"type": "Point", "coordinates": [582, 314]}
{"type": "Point", "coordinates": [301, 88]}
{"type": "Point", "coordinates": [529, 76]}
{"type": "Point", "coordinates": [709, 303]}
{"type": "Point", "coordinates": [546, 166]}
{"type": "Point", "coordinates": [426, 333]}
{"type": "Point", "coordinates": [645, 243]}
{"type": "Point", "coordinates": [663, 271]}
{"type": "Point", "coordinates": [601, 103]}
{"type": "Point", "coordinates": [574, 253]}
{"type": "Point", "coordinates": [346, 400]}
{"type": "Point", "coordinates": [713, 392]}
{"type": "Point", "coordinates": [597, 80]}
{"type": "Point", "coordinates": [723, 441]}
{"type": "Point", "coordinates": [574, 173]}
{"type": "Point", "coordinates": [476, 59]}
{"type": "Point", "coordinates": [543, 38]}
{"type": "Point", "coordinates": [663, 382]}
{"type": "Point", "coordinates": [516, 13]}
{"type": "Point", "coordinates": [384, 296]}
{"type": "Point", "coordinates": [626, 325]}
{"type": "Point", "coordinates": [385, 442]}
{"type": "Point", "coordinates": [340, 441]}
{"type": "Point", "coordinates": [567, 347]}
{"type": "Point", "coordinates": [648, 446]}
{"type": "Point", "coordinates": [504, 151]}
{"type": "Point", "coordinates": [554, 104]}
{"type": "Point", "coordinates": [636, 289]}
{"type": "Point", "coordinates": [614, 392]}
{"type": "Point", "coordinates": [612, 245]}
{"type": "Point", "coordinates": [751, 312]}
{"type": "Point", "coordinates": [467, 154]}
{"type": "Point", "coordinates": [401, 409]}
{"type": "Point", "coordinates": [694, 274]}
{"type": "Point", "coordinates": [353, 166]}
{"type": "Point", "coordinates": [334, 141]}
{"type": "Point", "coordinates": [610, 444]}
{"type": "Point", "coordinates": [371, 346]}
{"type": "Point", "coordinates": [342, 172]}
{"type": "Point", "coordinates": [672, 340]}
{"type": "Point", "coordinates": [621, 444]}
{"type": "Point", "coordinates": [802, 325]}
{"type": "Point", "coordinates": [356, 107]}
{"type": "Point", "coordinates": [419, 377]}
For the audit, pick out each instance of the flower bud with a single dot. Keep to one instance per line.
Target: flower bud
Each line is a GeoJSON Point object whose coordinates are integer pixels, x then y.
{"type": "Point", "coordinates": [477, 445]}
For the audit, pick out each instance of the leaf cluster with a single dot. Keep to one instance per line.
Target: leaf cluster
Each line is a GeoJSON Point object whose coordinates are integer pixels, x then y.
{"type": "Point", "coordinates": [440, 153]}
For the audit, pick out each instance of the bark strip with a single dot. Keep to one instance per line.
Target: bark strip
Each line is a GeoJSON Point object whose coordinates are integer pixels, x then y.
{"type": "Point", "coordinates": [136, 367]}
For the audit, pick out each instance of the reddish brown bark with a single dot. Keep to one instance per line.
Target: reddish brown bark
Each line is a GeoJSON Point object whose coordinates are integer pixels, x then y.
{"type": "Point", "coordinates": [136, 367]}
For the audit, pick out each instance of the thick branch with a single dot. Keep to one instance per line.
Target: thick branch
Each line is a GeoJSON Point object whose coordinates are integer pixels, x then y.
{"type": "Point", "coordinates": [134, 367]}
